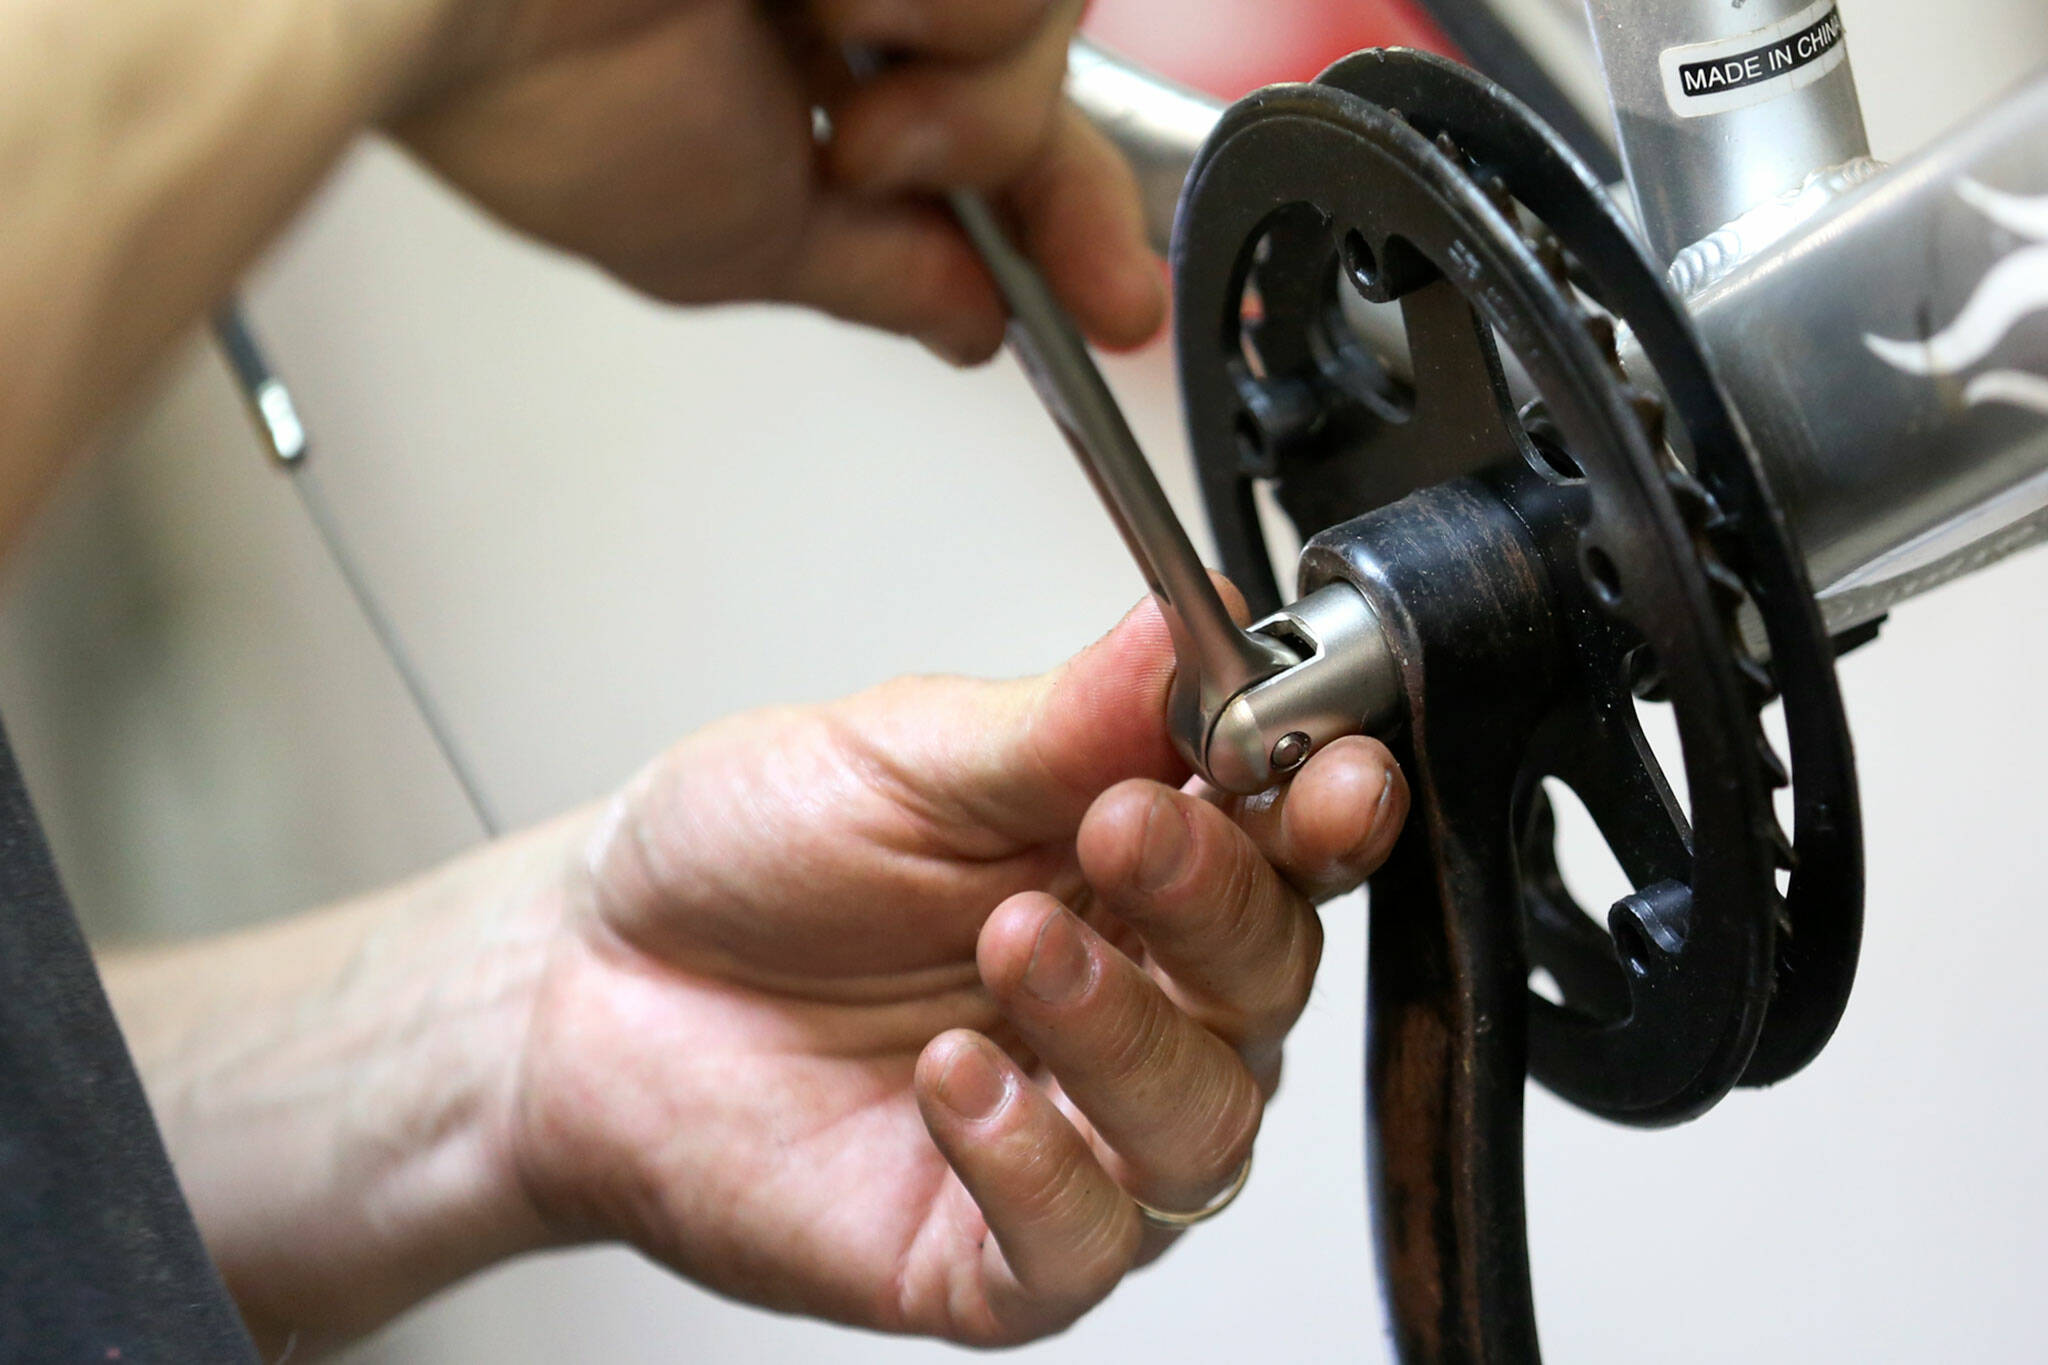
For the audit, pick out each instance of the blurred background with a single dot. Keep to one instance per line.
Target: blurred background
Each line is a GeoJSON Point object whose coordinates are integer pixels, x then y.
{"type": "Point", "coordinates": [598, 524]}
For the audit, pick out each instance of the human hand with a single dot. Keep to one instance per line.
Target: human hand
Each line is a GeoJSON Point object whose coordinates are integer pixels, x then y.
{"type": "Point", "coordinates": [846, 990]}
{"type": "Point", "coordinates": [671, 141]}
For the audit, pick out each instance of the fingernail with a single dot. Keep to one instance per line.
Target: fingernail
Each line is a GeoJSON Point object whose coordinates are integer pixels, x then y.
{"type": "Point", "coordinates": [1379, 812]}
{"type": "Point", "coordinates": [972, 1085]}
{"type": "Point", "coordinates": [1164, 849]}
{"type": "Point", "coordinates": [1059, 963]}
{"type": "Point", "coordinates": [914, 156]}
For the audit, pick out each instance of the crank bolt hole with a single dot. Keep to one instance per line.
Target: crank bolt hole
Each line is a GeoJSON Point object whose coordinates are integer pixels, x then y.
{"type": "Point", "coordinates": [1649, 926]}
{"type": "Point", "coordinates": [1360, 264]}
{"type": "Point", "coordinates": [1554, 462]}
{"type": "Point", "coordinates": [1634, 946]}
{"type": "Point", "coordinates": [1604, 577]}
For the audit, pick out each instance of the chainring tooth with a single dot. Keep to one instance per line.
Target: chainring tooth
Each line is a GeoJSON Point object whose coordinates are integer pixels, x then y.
{"type": "Point", "coordinates": [1549, 253]}
{"type": "Point", "coordinates": [1727, 585]}
{"type": "Point", "coordinates": [1695, 504]}
{"type": "Point", "coordinates": [1496, 191]}
{"type": "Point", "coordinates": [1600, 327]}
{"type": "Point", "coordinates": [1760, 686]}
{"type": "Point", "coordinates": [1649, 410]}
{"type": "Point", "coordinates": [1782, 851]}
{"type": "Point", "coordinates": [1775, 772]}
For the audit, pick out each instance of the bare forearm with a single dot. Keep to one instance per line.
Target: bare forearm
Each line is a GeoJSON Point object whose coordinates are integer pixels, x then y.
{"type": "Point", "coordinates": [334, 1088]}
{"type": "Point", "coordinates": [147, 148]}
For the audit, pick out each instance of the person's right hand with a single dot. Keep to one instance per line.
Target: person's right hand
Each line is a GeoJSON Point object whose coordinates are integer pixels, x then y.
{"type": "Point", "coordinates": [671, 141]}
{"type": "Point", "coordinates": [890, 1011]}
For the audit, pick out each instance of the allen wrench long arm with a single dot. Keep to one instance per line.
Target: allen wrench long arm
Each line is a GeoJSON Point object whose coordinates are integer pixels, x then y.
{"type": "Point", "coordinates": [1248, 705]}
{"type": "Point", "coordinates": [1217, 659]}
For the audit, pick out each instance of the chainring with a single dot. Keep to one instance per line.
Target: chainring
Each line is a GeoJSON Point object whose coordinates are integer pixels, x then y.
{"type": "Point", "coordinates": [1421, 186]}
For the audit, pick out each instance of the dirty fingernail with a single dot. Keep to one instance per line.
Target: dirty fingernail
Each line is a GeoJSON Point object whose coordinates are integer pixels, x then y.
{"type": "Point", "coordinates": [1164, 850]}
{"type": "Point", "coordinates": [1059, 960]}
{"type": "Point", "coordinates": [1377, 819]}
{"type": "Point", "coordinates": [972, 1085]}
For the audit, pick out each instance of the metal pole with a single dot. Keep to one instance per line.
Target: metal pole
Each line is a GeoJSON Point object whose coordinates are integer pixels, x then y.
{"type": "Point", "coordinates": [1890, 358]}
{"type": "Point", "coordinates": [1156, 124]}
{"type": "Point", "coordinates": [1720, 107]}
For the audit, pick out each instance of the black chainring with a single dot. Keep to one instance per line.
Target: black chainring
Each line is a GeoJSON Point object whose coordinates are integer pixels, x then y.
{"type": "Point", "coordinates": [1424, 187]}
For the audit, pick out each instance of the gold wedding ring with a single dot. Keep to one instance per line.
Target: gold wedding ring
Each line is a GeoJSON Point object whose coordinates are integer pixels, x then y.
{"type": "Point", "coordinates": [1174, 1222]}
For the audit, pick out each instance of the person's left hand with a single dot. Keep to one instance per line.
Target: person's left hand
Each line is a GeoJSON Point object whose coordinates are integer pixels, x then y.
{"type": "Point", "coordinates": [889, 1010]}
{"type": "Point", "coordinates": [671, 142]}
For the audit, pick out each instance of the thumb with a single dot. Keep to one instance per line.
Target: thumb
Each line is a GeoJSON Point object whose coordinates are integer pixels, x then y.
{"type": "Point", "coordinates": [1101, 718]}
{"type": "Point", "coordinates": [1029, 757]}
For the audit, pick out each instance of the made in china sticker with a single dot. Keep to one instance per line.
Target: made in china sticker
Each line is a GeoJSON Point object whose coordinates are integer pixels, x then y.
{"type": "Point", "coordinates": [1749, 68]}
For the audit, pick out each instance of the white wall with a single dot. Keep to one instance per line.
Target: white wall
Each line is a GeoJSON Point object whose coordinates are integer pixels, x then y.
{"type": "Point", "coordinates": [598, 525]}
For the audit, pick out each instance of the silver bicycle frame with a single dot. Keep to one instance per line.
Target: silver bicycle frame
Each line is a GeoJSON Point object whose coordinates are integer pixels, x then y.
{"type": "Point", "coordinates": [1719, 108]}
{"type": "Point", "coordinates": [1884, 333]}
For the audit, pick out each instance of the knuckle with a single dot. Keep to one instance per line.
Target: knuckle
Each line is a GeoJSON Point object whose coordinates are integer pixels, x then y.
{"type": "Point", "coordinates": [1255, 1016]}
{"type": "Point", "coordinates": [1053, 1290]}
{"type": "Point", "coordinates": [1055, 1299]}
{"type": "Point", "coordinates": [1044, 1196]}
{"type": "Point", "coordinates": [1260, 1014]}
{"type": "Point", "coordinates": [1142, 1044]}
{"type": "Point", "coordinates": [1095, 1262]}
{"type": "Point", "coordinates": [1051, 1181]}
{"type": "Point", "coordinates": [1189, 1172]}
{"type": "Point", "coordinates": [1240, 904]}
{"type": "Point", "coordinates": [1228, 1144]}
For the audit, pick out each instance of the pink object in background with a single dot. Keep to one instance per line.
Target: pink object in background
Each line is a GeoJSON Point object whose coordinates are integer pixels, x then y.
{"type": "Point", "coordinates": [1227, 47]}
